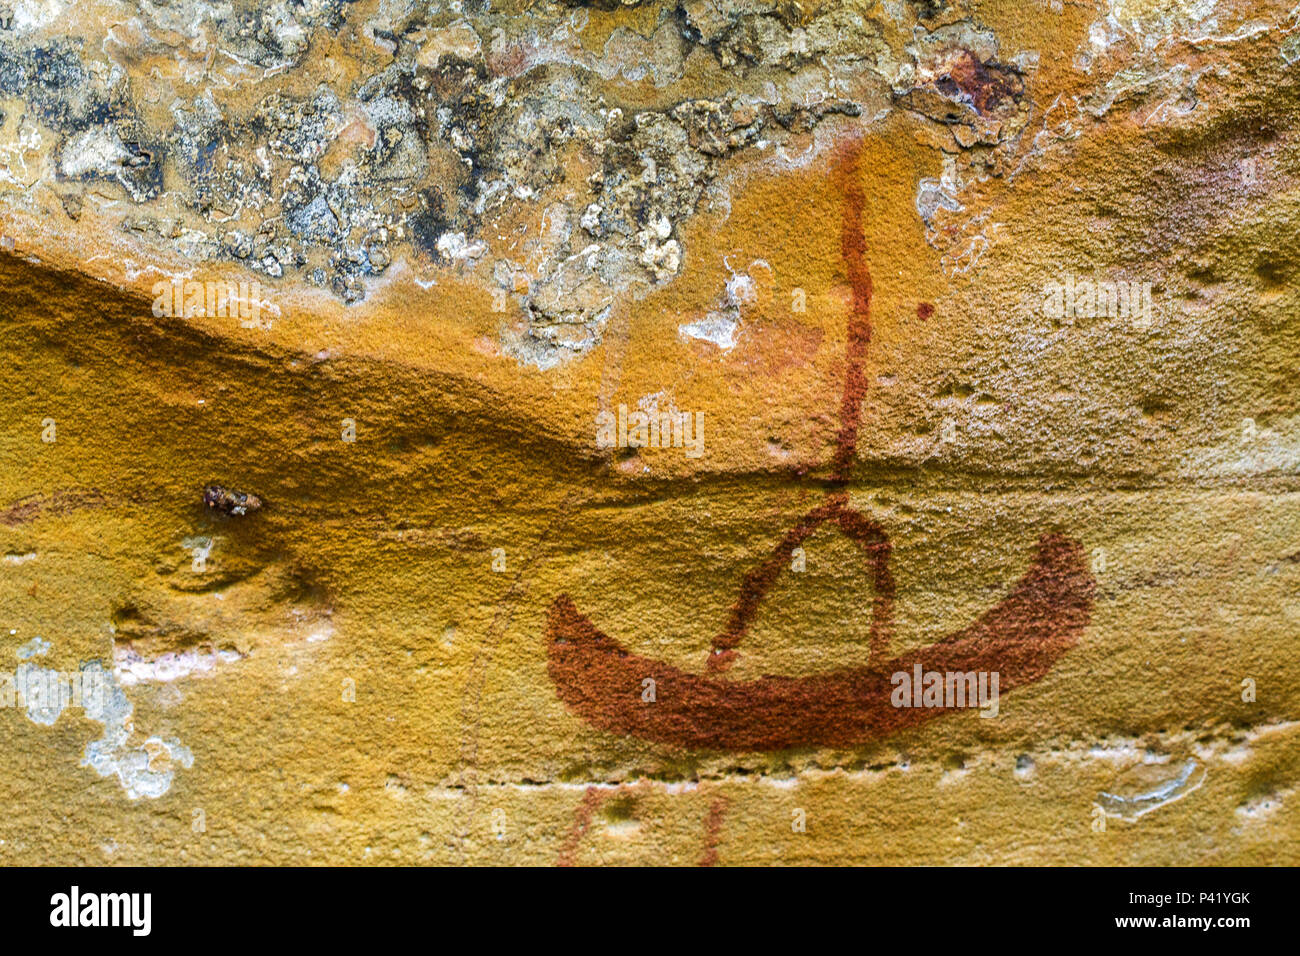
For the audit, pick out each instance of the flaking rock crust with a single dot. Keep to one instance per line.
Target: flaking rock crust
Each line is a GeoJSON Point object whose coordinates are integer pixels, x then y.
{"type": "Point", "coordinates": [469, 433]}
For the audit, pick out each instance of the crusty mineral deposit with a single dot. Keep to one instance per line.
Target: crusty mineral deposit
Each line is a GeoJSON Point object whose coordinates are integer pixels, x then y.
{"type": "Point", "coordinates": [617, 432]}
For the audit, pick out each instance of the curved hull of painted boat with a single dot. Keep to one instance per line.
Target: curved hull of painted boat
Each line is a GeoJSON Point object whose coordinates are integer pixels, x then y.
{"type": "Point", "coordinates": [1021, 638]}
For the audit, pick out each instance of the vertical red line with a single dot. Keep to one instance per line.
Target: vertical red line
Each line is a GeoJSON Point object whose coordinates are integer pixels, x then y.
{"type": "Point", "coordinates": [591, 801]}
{"type": "Point", "coordinates": [713, 832]}
{"type": "Point", "coordinates": [853, 249]}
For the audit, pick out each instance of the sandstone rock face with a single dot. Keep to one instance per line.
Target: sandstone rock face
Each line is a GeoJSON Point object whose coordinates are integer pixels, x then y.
{"type": "Point", "coordinates": [468, 433]}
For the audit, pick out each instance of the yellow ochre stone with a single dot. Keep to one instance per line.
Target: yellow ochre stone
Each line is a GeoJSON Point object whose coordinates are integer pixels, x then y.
{"type": "Point", "coordinates": [571, 433]}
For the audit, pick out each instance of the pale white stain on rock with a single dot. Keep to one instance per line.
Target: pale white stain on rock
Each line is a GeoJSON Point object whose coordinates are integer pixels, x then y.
{"type": "Point", "coordinates": [131, 668]}
{"type": "Point", "coordinates": [33, 648]}
{"type": "Point", "coordinates": [1148, 787]}
{"type": "Point", "coordinates": [143, 770]}
{"type": "Point", "coordinates": [97, 150]}
{"type": "Point", "coordinates": [1252, 448]}
{"type": "Point", "coordinates": [717, 328]}
{"type": "Point", "coordinates": [40, 691]}
{"type": "Point", "coordinates": [721, 325]}
{"type": "Point", "coordinates": [454, 247]}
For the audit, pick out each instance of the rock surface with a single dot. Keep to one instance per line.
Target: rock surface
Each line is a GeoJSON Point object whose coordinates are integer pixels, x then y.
{"type": "Point", "coordinates": [329, 328]}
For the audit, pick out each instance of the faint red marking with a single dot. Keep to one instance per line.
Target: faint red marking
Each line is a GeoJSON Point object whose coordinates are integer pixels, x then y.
{"type": "Point", "coordinates": [1022, 637]}
{"type": "Point", "coordinates": [924, 310]}
{"type": "Point", "coordinates": [591, 801]}
{"type": "Point", "coordinates": [853, 247]}
{"type": "Point", "coordinates": [713, 832]}
{"type": "Point", "coordinates": [60, 503]}
{"type": "Point", "coordinates": [988, 90]}
{"type": "Point", "coordinates": [596, 797]}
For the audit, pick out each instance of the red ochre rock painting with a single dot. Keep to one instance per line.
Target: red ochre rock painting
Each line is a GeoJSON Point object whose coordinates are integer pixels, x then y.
{"type": "Point", "coordinates": [1021, 637]}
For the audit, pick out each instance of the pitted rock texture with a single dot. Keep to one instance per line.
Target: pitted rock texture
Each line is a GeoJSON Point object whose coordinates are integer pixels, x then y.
{"type": "Point", "coordinates": [982, 317]}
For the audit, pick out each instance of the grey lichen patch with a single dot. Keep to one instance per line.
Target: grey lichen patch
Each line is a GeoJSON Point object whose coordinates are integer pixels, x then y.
{"type": "Point", "coordinates": [425, 127]}
{"type": "Point", "coordinates": [322, 142]}
{"type": "Point", "coordinates": [144, 768]}
{"type": "Point", "coordinates": [86, 106]}
{"type": "Point", "coordinates": [777, 34]}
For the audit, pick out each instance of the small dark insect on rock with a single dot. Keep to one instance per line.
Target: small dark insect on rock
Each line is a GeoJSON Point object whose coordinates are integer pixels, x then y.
{"type": "Point", "coordinates": [230, 502]}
